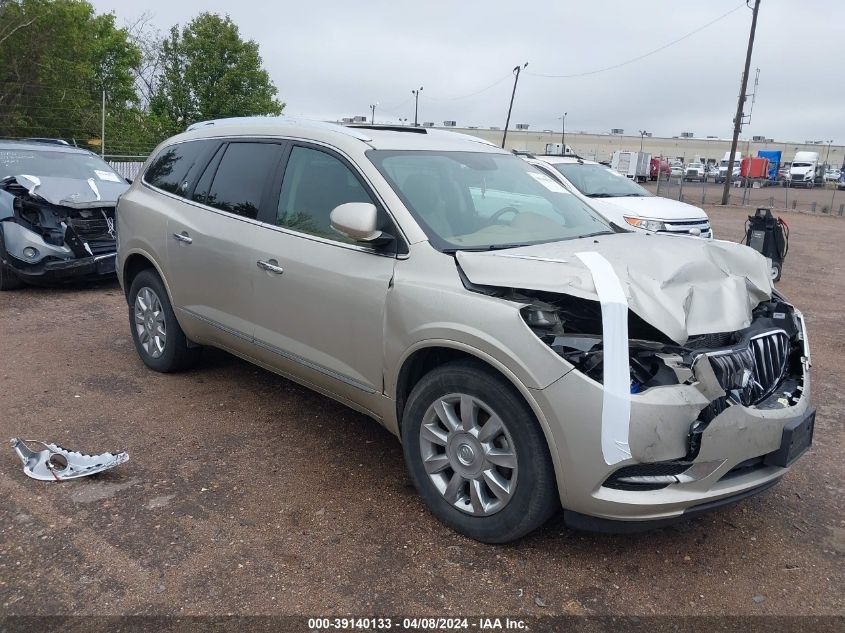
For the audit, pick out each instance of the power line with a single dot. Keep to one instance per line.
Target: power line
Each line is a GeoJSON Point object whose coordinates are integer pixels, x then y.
{"type": "Point", "coordinates": [643, 56]}
{"type": "Point", "coordinates": [471, 94]}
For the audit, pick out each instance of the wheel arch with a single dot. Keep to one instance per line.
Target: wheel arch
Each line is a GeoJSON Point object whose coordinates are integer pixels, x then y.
{"type": "Point", "coordinates": [428, 355]}
{"type": "Point", "coordinates": [136, 262]}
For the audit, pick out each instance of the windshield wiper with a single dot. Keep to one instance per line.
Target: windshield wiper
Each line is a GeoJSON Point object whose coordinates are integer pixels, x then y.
{"type": "Point", "coordinates": [594, 234]}
{"type": "Point", "coordinates": [600, 195]}
{"type": "Point", "coordinates": [631, 195]}
{"type": "Point", "coordinates": [500, 247]}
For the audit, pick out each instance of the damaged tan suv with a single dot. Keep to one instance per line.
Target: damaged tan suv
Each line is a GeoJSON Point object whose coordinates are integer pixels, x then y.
{"type": "Point", "coordinates": [529, 354]}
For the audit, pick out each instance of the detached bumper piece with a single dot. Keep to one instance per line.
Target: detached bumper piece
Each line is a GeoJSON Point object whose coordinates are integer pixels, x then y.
{"type": "Point", "coordinates": [54, 463]}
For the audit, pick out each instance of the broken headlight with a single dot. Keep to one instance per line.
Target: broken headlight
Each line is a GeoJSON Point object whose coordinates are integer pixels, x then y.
{"type": "Point", "coordinates": [646, 364]}
{"type": "Point", "coordinates": [543, 318]}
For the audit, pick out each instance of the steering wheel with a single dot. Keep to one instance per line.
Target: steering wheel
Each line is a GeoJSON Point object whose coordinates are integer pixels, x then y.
{"type": "Point", "coordinates": [495, 217]}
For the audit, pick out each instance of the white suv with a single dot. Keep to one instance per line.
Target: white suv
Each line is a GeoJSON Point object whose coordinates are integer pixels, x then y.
{"type": "Point", "coordinates": [622, 201]}
{"type": "Point", "coordinates": [528, 354]}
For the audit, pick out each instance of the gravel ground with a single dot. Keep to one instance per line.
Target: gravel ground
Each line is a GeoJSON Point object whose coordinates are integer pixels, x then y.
{"type": "Point", "coordinates": [247, 494]}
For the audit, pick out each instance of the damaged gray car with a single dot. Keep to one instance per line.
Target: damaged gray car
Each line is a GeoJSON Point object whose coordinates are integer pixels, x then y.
{"type": "Point", "coordinates": [56, 214]}
{"type": "Point", "coordinates": [529, 354]}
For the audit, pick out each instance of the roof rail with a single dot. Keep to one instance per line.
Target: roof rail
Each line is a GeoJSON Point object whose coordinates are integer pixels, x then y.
{"type": "Point", "coordinates": [49, 141]}
{"type": "Point", "coordinates": [390, 128]}
{"type": "Point", "coordinates": [281, 121]}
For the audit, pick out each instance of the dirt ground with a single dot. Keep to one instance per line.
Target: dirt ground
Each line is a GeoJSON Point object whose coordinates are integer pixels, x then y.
{"type": "Point", "coordinates": [247, 494]}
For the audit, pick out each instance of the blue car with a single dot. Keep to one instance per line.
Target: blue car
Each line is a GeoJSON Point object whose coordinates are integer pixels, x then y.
{"type": "Point", "coordinates": [56, 213]}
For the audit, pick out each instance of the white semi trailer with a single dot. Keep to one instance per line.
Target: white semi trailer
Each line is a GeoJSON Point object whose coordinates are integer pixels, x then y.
{"type": "Point", "coordinates": [634, 165]}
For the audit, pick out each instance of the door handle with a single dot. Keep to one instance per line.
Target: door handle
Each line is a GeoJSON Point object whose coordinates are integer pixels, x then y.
{"type": "Point", "coordinates": [271, 266]}
{"type": "Point", "coordinates": [183, 237]}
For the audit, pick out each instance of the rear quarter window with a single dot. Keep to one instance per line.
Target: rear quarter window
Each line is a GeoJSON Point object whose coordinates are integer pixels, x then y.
{"type": "Point", "coordinates": [173, 167]}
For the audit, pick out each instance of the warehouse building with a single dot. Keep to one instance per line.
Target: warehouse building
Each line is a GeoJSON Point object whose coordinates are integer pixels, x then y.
{"type": "Point", "coordinates": [686, 146]}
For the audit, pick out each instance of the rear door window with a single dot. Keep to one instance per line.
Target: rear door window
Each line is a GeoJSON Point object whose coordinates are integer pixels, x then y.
{"type": "Point", "coordinates": [242, 177]}
{"type": "Point", "coordinates": [175, 166]}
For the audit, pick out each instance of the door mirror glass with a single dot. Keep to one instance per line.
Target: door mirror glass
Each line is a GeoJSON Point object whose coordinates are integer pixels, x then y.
{"type": "Point", "coordinates": [357, 221]}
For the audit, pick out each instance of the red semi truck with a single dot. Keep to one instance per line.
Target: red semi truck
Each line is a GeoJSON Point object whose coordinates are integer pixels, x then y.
{"type": "Point", "coordinates": [754, 169]}
{"type": "Point", "coordinates": [661, 165]}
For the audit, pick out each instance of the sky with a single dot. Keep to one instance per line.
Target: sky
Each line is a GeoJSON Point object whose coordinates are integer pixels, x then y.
{"type": "Point", "coordinates": [332, 58]}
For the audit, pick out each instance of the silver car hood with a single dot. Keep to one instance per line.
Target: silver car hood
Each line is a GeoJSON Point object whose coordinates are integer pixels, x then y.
{"type": "Point", "coordinates": [72, 192]}
{"type": "Point", "coordinates": [682, 286]}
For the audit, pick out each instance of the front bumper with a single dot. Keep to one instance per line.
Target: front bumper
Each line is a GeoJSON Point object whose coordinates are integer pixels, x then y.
{"type": "Point", "coordinates": [55, 263]}
{"type": "Point", "coordinates": [735, 458]}
{"type": "Point", "coordinates": [61, 270]}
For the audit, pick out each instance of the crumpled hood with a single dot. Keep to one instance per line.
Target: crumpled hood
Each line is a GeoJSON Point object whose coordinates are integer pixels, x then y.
{"type": "Point", "coordinates": [682, 286]}
{"type": "Point", "coordinates": [71, 192]}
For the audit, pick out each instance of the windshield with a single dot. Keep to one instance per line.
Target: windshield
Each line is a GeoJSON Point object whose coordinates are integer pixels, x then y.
{"type": "Point", "coordinates": [801, 164]}
{"type": "Point", "coordinates": [30, 162]}
{"type": "Point", "coordinates": [597, 181]}
{"type": "Point", "coordinates": [484, 201]}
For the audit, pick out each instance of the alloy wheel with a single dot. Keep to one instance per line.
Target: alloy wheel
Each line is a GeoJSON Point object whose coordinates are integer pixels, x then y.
{"type": "Point", "coordinates": [150, 325]}
{"type": "Point", "coordinates": [468, 454]}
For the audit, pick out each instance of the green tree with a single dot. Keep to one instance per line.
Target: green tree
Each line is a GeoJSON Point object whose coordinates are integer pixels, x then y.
{"type": "Point", "coordinates": [207, 71]}
{"type": "Point", "coordinates": [56, 58]}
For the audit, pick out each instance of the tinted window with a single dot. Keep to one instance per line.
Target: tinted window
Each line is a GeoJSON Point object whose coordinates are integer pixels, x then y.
{"type": "Point", "coordinates": [170, 169]}
{"type": "Point", "coordinates": [315, 183]}
{"type": "Point", "coordinates": [204, 182]}
{"type": "Point", "coordinates": [241, 177]}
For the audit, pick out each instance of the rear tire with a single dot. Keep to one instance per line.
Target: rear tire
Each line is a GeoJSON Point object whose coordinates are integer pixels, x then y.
{"type": "Point", "coordinates": [158, 338]}
{"type": "Point", "coordinates": [465, 423]}
{"type": "Point", "coordinates": [8, 279]}
{"type": "Point", "coordinates": [777, 269]}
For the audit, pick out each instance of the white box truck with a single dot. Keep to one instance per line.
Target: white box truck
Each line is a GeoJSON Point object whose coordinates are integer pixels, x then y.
{"type": "Point", "coordinates": [634, 165]}
{"type": "Point", "coordinates": [805, 170]}
{"type": "Point", "coordinates": [555, 149]}
{"type": "Point", "coordinates": [723, 167]}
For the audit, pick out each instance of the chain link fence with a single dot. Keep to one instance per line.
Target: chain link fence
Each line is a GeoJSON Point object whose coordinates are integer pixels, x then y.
{"type": "Point", "coordinates": [821, 198]}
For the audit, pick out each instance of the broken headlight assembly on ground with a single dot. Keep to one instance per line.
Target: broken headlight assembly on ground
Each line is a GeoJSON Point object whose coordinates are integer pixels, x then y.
{"type": "Point", "coordinates": [50, 462]}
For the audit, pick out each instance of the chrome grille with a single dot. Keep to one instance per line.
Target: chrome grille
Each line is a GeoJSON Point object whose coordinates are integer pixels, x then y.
{"type": "Point", "coordinates": [683, 227]}
{"type": "Point", "coordinates": [751, 374]}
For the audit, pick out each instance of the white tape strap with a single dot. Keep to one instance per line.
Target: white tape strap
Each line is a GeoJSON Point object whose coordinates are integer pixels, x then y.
{"type": "Point", "coordinates": [616, 399]}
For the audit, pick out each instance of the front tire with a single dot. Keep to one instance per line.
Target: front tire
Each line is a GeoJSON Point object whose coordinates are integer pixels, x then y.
{"type": "Point", "coordinates": [477, 455]}
{"type": "Point", "coordinates": [158, 338]}
{"type": "Point", "coordinates": [8, 279]}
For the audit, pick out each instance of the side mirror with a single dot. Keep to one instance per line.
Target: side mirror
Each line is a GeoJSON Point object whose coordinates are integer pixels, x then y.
{"type": "Point", "coordinates": [357, 221]}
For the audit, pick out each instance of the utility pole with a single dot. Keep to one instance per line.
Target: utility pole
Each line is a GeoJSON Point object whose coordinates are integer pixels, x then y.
{"type": "Point", "coordinates": [103, 128]}
{"type": "Point", "coordinates": [373, 117]}
{"type": "Point", "coordinates": [416, 94]}
{"type": "Point", "coordinates": [726, 192]}
{"type": "Point", "coordinates": [516, 72]}
{"type": "Point", "coordinates": [642, 136]}
{"type": "Point", "coordinates": [563, 134]}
